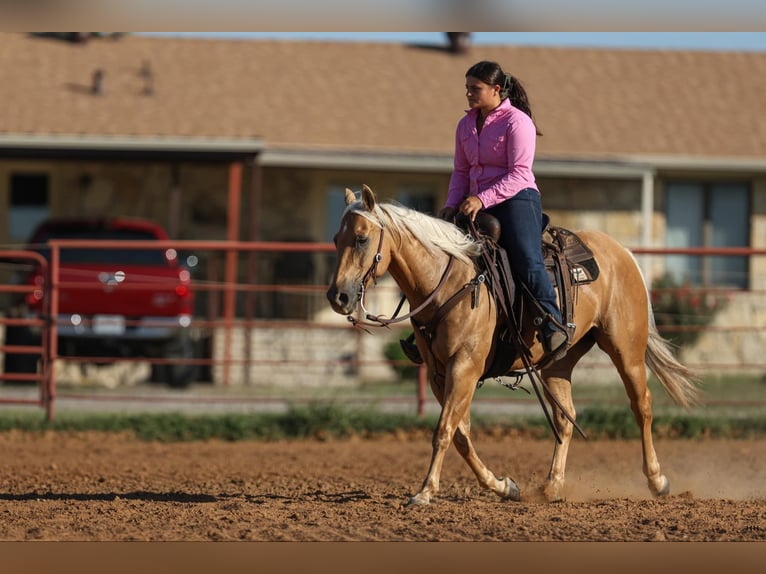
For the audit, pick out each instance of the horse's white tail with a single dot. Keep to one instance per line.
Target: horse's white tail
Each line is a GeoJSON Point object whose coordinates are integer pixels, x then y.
{"type": "Point", "coordinates": [677, 379]}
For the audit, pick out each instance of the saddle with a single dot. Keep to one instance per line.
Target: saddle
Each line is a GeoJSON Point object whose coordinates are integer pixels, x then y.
{"type": "Point", "coordinates": [555, 241]}
{"type": "Point", "coordinates": [568, 261]}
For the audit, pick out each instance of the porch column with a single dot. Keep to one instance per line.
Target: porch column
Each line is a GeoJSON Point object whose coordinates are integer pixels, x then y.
{"type": "Point", "coordinates": [253, 232]}
{"type": "Point", "coordinates": [647, 215]}
{"type": "Point", "coordinates": [230, 269]}
{"type": "Point", "coordinates": [174, 208]}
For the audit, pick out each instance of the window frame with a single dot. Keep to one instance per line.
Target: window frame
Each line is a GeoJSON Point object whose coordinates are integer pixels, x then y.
{"type": "Point", "coordinates": [706, 272]}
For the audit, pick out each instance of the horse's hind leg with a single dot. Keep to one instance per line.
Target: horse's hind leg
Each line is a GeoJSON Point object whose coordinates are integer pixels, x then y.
{"type": "Point", "coordinates": [629, 358]}
{"type": "Point", "coordinates": [504, 487]}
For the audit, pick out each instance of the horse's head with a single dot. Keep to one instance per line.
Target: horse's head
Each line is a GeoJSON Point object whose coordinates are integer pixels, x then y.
{"type": "Point", "coordinates": [362, 256]}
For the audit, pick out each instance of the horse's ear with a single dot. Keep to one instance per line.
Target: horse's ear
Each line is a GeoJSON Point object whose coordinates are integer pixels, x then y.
{"type": "Point", "coordinates": [368, 197]}
{"type": "Point", "coordinates": [350, 197]}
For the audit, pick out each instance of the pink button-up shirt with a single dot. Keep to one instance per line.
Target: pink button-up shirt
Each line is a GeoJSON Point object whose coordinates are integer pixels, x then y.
{"type": "Point", "coordinates": [496, 164]}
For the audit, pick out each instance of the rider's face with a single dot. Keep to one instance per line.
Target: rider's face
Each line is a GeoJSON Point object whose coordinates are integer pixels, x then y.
{"type": "Point", "coordinates": [481, 95]}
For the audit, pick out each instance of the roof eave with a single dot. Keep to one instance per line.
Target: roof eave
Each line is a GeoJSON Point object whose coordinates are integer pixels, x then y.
{"type": "Point", "coordinates": [214, 148]}
{"type": "Point", "coordinates": [701, 163]}
{"type": "Point", "coordinates": [439, 163]}
{"type": "Point", "coordinates": [632, 166]}
{"type": "Point", "coordinates": [64, 145]}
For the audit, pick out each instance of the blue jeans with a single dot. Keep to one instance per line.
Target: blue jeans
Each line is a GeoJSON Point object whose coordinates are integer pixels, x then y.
{"type": "Point", "coordinates": [521, 236]}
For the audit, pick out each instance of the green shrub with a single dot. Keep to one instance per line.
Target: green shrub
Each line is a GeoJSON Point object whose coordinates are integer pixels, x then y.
{"type": "Point", "coordinates": [328, 420]}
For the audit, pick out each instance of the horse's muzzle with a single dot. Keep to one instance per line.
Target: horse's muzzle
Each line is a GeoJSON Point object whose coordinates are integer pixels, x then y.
{"type": "Point", "coordinates": [342, 301]}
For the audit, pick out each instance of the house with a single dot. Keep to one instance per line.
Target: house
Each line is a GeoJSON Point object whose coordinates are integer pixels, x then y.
{"type": "Point", "coordinates": [634, 140]}
{"type": "Point", "coordinates": [656, 148]}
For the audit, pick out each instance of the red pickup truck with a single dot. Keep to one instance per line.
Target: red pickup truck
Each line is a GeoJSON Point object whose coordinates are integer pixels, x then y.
{"type": "Point", "coordinates": [113, 302]}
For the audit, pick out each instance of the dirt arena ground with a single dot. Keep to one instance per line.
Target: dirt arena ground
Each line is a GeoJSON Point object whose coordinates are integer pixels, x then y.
{"type": "Point", "coordinates": [103, 487]}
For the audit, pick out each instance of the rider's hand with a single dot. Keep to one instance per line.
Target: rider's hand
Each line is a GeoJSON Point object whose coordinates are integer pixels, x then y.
{"type": "Point", "coordinates": [471, 206]}
{"type": "Point", "coordinates": [448, 214]}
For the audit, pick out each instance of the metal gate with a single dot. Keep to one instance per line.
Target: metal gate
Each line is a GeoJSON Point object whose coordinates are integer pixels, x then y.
{"type": "Point", "coordinates": [39, 350]}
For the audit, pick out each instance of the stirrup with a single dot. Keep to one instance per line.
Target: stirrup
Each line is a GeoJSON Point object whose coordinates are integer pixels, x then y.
{"type": "Point", "coordinates": [410, 349]}
{"type": "Point", "coordinates": [559, 350]}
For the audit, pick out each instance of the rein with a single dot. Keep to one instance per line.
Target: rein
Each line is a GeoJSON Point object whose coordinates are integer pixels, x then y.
{"type": "Point", "coordinates": [532, 370]}
{"type": "Point", "coordinates": [380, 321]}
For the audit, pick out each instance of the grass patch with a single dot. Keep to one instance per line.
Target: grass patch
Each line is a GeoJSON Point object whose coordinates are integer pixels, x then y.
{"type": "Point", "coordinates": [322, 421]}
{"type": "Point", "coordinates": [312, 421]}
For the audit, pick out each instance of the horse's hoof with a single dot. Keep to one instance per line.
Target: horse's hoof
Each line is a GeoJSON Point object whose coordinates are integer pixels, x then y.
{"type": "Point", "coordinates": [419, 499]}
{"type": "Point", "coordinates": [553, 492]}
{"type": "Point", "coordinates": [663, 489]}
{"type": "Point", "coordinates": [511, 490]}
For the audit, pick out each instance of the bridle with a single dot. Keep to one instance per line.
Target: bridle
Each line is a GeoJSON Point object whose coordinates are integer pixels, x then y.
{"type": "Point", "coordinates": [371, 272]}
{"type": "Point", "coordinates": [379, 320]}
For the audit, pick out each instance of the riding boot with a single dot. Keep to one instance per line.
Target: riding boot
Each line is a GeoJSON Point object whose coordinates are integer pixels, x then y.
{"type": "Point", "coordinates": [555, 341]}
{"type": "Point", "coordinates": [410, 349]}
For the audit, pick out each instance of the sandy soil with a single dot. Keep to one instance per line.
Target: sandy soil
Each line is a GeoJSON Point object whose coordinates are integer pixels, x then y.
{"type": "Point", "coordinates": [103, 487]}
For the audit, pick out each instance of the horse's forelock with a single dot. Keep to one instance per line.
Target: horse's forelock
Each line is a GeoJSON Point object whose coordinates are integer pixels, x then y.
{"type": "Point", "coordinates": [357, 207]}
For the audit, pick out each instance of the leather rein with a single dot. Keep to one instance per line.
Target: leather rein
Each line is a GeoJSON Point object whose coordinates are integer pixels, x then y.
{"type": "Point", "coordinates": [381, 321]}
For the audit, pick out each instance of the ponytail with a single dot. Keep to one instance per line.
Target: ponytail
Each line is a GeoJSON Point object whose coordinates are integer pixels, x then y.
{"type": "Point", "coordinates": [515, 92]}
{"type": "Point", "coordinates": [510, 87]}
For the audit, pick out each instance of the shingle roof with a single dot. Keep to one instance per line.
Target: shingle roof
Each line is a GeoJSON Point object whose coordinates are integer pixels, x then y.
{"type": "Point", "coordinates": [383, 97]}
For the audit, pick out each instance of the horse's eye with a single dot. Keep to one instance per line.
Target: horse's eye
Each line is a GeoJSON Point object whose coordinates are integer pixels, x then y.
{"type": "Point", "coordinates": [362, 241]}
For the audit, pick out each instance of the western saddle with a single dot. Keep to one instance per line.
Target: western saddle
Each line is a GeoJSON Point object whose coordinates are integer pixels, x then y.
{"type": "Point", "coordinates": [569, 263]}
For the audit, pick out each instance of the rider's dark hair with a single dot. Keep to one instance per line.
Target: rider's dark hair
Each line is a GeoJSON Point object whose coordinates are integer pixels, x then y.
{"type": "Point", "coordinates": [510, 87]}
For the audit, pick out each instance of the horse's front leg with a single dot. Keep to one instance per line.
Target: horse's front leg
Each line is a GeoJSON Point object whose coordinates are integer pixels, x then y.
{"type": "Point", "coordinates": [456, 395]}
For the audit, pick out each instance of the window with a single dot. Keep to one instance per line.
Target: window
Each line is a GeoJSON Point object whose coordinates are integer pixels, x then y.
{"type": "Point", "coordinates": [28, 204]}
{"type": "Point", "coordinates": [334, 208]}
{"type": "Point", "coordinates": [420, 198]}
{"type": "Point", "coordinates": [708, 215]}
{"type": "Point", "coordinates": [336, 205]}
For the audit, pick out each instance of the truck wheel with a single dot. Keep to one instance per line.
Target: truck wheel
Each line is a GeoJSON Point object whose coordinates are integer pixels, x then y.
{"type": "Point", "coordinates": [177, 375]}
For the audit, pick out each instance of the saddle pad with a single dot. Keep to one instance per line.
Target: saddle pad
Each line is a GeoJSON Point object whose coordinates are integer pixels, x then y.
{"type": "Point", "coordinates": [579, 258]}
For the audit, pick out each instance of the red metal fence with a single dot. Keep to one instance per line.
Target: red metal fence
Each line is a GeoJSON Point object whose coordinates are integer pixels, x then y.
{"type": "Point", "coordinates": [42, 377]}
{"type": "Point", "coordinates": [234, 295]}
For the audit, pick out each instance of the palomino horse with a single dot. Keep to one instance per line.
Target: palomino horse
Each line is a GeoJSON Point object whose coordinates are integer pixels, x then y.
{"type": "Point", "coordinates": [613, 312]}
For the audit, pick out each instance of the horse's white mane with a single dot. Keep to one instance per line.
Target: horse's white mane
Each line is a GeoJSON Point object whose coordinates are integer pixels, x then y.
{"type": "Point", "coordinates": [435, 234]}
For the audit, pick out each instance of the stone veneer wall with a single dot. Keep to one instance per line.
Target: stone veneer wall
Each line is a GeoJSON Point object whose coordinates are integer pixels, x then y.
{"type": "Point", "coordinates": [300, 357]}
{"type": "Point", "coordinates": [727, 348]}
{"type": "Point", "coordinates": [296, 357]}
